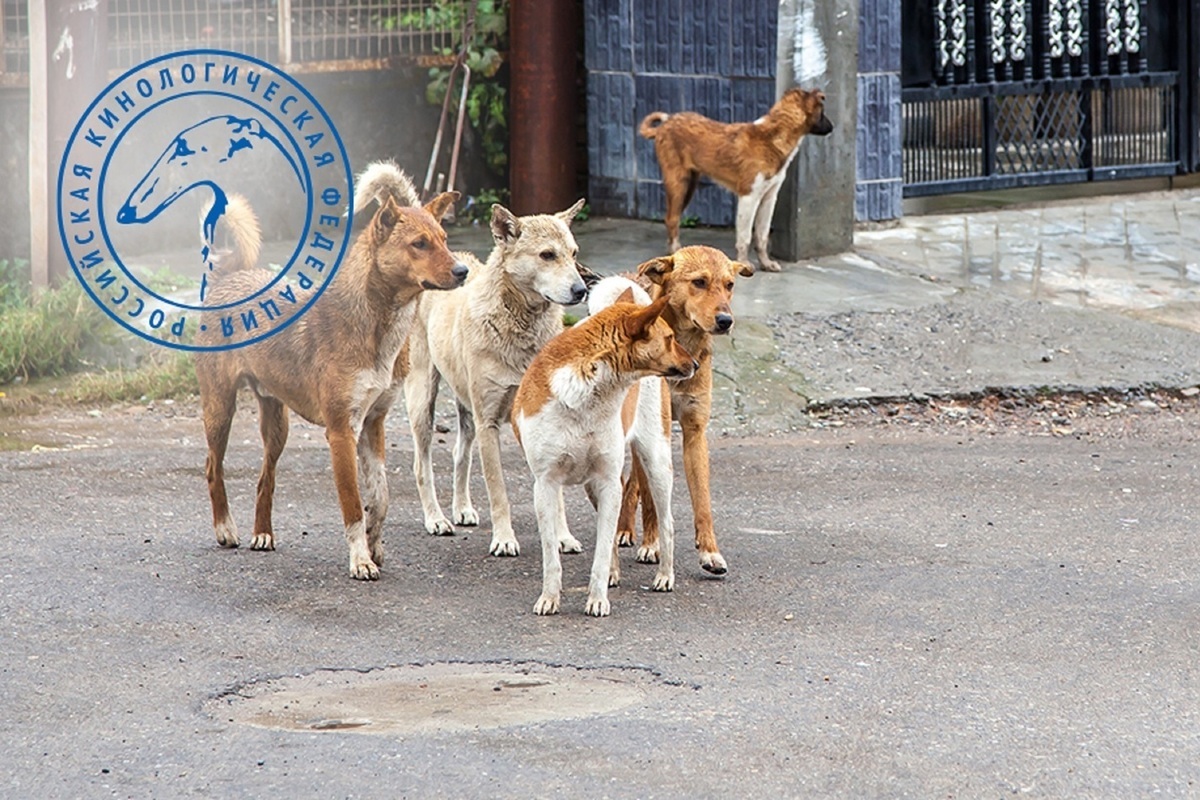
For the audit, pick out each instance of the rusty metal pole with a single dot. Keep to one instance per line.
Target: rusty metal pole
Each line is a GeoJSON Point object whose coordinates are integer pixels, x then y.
{"type": "Point", "coordinates": [542, 42]}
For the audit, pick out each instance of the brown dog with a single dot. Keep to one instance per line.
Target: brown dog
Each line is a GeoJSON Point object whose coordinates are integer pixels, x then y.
{"type": "Point", "coordinates": [749, 159]}
{"type": "Point", "coordinates": [334, 367]}
{"type": "Point", "coordinates": [697, 283]}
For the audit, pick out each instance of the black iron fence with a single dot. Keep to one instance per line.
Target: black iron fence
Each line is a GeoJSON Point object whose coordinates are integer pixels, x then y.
{"type": "Point", "coordinates": [1003, 93]}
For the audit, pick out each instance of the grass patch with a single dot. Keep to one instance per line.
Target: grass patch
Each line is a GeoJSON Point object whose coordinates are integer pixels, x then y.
{"type": "Point", "coordinates": [47, 334]}
{"type": "Point", "coordinates": [161, 376]}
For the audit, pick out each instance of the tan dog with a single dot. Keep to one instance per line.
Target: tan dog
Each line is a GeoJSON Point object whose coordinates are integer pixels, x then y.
{"type": "Point", "coordinates": [749, 159]}
{"type": "Point", "coordinates": [334, 367]}
{"type": "Point", "coordinates": [568, 418]}
{"type": "Point", "coordinates": [697, 284]}
{"type": "Point", "coordinates": [481, 340]}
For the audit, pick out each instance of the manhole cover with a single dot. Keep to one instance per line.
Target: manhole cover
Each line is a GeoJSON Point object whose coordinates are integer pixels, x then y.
{"type": "Point", "coordinates": [434, 698]}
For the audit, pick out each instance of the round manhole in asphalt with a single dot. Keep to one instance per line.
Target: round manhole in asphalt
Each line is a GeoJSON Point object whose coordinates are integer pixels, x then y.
{"type": "Point", "coordinates": [435, 698]}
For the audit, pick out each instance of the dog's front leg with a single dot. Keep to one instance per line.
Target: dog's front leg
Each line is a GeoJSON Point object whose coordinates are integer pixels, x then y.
{"type": "Point", "coordinates": [464, 509]}
{"type": "Point", "coordinates": [372, 474]}
{"type": "Point", "coordinates": [342, 446]}
{"type": "Point", "coordinates": [607, 490]}
{"type": "Point", "coordinates": [694, 421]}
{"type": "Point", "coordinates": [762, 225]}
{"type": "Point", "coordinates": [546, 498]}
{"type": "Point", "coordinates": [490, 407]}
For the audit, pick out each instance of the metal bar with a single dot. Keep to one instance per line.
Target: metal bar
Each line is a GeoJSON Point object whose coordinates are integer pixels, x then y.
{"type": "Point", "coordinates": [284, 30]}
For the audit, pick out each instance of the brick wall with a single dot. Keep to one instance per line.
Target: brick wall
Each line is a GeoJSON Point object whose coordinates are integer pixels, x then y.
{"type": "Point", "coordinates": [879, 178]}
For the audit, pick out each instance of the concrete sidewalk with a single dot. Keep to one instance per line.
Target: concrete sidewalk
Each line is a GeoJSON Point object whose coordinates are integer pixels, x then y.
{"type": "Point", "coordinates": [1100, 293]}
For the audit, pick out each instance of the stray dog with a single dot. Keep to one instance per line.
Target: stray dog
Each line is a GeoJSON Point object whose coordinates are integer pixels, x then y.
{"type": "Point", "coordinates": [749, 159]}
{"type": "Point", "coordinates": [335, 367]}
{"type": "Point", "coordinates": [567, 415]}
{"type": "Point", "coordinates": [697, 284]}
{"type": "Point", "coordinates": [481, 340]}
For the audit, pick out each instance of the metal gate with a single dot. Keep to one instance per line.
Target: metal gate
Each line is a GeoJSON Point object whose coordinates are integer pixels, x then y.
{"type": "Point", "coordinates": [1005, 93]}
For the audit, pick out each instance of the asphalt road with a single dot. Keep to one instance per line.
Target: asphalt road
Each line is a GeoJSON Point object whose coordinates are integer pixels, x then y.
{"type": "Point", "coordinates": [914, 609]}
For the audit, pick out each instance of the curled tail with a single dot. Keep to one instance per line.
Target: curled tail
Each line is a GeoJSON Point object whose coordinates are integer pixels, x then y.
{"type": "Point", "coordinates": [649, 126]}
{"type": "Point", "coordinates": [615, 289]}
{"type": "Point", "coordinates": [381, 180]}
{"type": "Point", "coordinates": [236, 238]}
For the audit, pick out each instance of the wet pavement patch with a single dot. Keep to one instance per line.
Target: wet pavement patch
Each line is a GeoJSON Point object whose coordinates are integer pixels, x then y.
{"type": "Point", "coordinates": [435, 698]}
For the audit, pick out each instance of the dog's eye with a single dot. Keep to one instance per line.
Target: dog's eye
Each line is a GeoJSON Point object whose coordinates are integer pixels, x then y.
{"type": "Point", "coordinates": [700, 283]}
{"type": "Point", "coordinates": [547, 255]}
{"type": "Point", "coordinates": [729, 286]}
{"type": "Point", "coordinates": [420, 244]}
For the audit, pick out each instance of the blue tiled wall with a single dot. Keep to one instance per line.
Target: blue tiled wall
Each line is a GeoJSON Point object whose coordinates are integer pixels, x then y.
{"type": "Point", "coordinates": [879, 166]}
{"type": "Point", "coordinates": [716, 57]}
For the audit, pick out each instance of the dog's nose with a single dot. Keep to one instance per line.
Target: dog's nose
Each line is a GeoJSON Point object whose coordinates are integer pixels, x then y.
{"type": "Point", "coordinates": [459, 271]}
{"type": "Point", "coordinates": [724, 322]}
{"type": "Point", "coordinates": [578, 292]}
{"type": "Point", "coordinates": [126, 215]}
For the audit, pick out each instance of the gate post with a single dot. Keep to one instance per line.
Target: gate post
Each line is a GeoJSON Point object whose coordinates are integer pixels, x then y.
{"type": "Point", "coordinates": [818, 47]}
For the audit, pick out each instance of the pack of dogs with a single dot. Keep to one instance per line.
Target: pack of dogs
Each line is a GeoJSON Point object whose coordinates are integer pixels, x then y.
{"type": "Point", "coordinates": [406, 315]}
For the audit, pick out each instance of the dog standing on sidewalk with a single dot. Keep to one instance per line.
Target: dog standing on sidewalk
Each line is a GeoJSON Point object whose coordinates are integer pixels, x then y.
{"type": "Point", "coordinates": [481, 340]}
{"type": "Point", "coordinates": [335, 366]}
{"type": "Point", "coordinates": [749, 159]}
{"type": "Point", "coordinates": [567, 415]}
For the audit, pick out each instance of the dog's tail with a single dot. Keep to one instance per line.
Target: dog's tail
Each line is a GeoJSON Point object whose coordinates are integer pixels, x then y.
{"type": "Point", "coordinates": [381, 180]}
{"type": "Point", "coordinates": [649, 126]}
{"type": "Point", "coordinates": [612, 290]}
{"type": "Point", "coordinates": [237, 239]}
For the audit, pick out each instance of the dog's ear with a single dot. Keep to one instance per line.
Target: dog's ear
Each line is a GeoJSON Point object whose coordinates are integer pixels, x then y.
{"type": "Point", "coordinates": [569, 214]}
{"type": "Point", "coordinates": [625, 296]}
{"type": "Point", "coordinates": [743, 269]}
{"type": "Point", "coordinates": [383, 221]}
{"type": "Point", "coordinates": [656, 269]}
{"type": "Point", "coordinates": [637, 324]}
{"type": "Point", "coordinates": [439, 206]}
{"type": "Point", "coordinates": [506, 228]}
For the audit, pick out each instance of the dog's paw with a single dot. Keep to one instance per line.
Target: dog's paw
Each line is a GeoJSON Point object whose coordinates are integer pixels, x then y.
{"type": "Point", "coordinates": [227, 534]}
{"type": "Point", "coordinates": [626, 538]}
{"type": "Point", "coordinates": [377, 553]}
{"type": "Point", "coordinates": [664, 582]}
{"type": "Point", "coordinates": [569, 544]}
{"type": "Point", "coordinates": [767, 265]}
{"type": "Point", "coordinates": [714, 563]}
{"type": "Point", "coordinates": [439, 527]}
{"type": "Point", "coordinates": [647, 554]}
{"type": "Point", "coordinates": [366, 570]}
{"type": "Point", "coordinates": [505, 547]}
{"type": "Point", "coordinates": [468, 517]}
{"type": "Point", "coordinates": [546, 605]}
{"type": "Point", "coordinates": [263, 541]}
{"type": "Point", "coordinates": [597, 607]}
{"type": "Point", "coordinates": [614, 575]}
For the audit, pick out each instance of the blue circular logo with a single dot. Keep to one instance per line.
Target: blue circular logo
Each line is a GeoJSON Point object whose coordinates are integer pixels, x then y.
{"type": "Point", "coordinates": [158, 161]}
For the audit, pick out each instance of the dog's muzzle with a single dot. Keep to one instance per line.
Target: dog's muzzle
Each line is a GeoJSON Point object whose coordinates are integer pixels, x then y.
{"type": "Point", "coordinates": [679, 374]}
{"type": "Point", "coordinates": [460, 272]}
{"type": "Point", "coordinates": [578, 293]}
{"type": "Point", "coordinates": [823, 127]}
{"type": "Point", "coordinates": [724, 323]}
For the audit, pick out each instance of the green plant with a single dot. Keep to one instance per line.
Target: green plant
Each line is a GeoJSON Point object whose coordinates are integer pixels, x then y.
{"type": "Point", "coordinates": [487, 97]}
{"type": "Point", "coordinates": [14, 282]}
{"type": "Point", "coordinates": [689, 221]}
{"type": "Point", "coordinates": [163, 375]}
{"type": "Point", "coordinates": [478, 208]}
{"type": "Point", "coordinates": [47, 334]}
{"type": "Point", "coordinates": [165, 280]}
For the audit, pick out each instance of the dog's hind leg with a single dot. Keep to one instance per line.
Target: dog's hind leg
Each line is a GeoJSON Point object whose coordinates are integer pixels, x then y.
{"type": "Point", "coordinates": [219, 402]}
{"type": "Point", "coordinates": [647, 553]}
{"type": "Point", "coordinates": [372, 480]}
{"type": "Point", "coordinates": [273, 425]}
{"type": "Point", "coordinates": [658, 475]}
{"type": "Point", "coordinates": [747, 208]}
{"type": "Point", "coordinates": [490, 405]}
{"type": "Point", "coordinates": [420, 397]}
{"type": "Point", "coordinates": [626, 533]}
{"type": "Point", "coordinates": [464, 510]}
{"type": "Point", "coordinates": [762, 225]}
{"type": "Point", "coordinates": [678, 187]}
{"type": "Point", "coordinates": [566, 542]}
